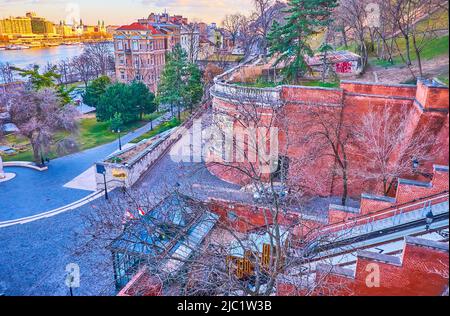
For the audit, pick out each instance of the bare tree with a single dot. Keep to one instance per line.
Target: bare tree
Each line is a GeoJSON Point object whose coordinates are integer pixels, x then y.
{"type": "Point", "coordinates": [246, 37]}
{"type": "Point", "coordinates": [327, 136]}
{"type": "Point", "coordinates": [210, 72]}
{"type": "Point", "coordinates": [422, 34]}
{"type": "Point", "coordinates": [233, 24]}
{"type": "Point", "coordinates": [266, 12]}
{"type": "Point", "coordinates": [6, 73]}
{"type": "Point", "coordinates": [100, 54]}
{"type": "Point", "coordinates": [192, 47]}
{"type": "Point", "coordinates": [82, 66]}
{"type": "Point", "coordinates": [353, 14]}
{"type": "Point", "coordinates": [65, 70]}
{"type": "Point", "coordinates": [389, 150]}
{"type": "Point", "coordinates": [38, 115]}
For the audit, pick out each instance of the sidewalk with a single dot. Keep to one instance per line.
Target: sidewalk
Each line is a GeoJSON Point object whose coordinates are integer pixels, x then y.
{"type": "Point", "coordinates": [32, 192]}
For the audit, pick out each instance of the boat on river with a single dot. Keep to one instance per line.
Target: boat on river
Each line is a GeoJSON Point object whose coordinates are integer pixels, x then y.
{"type": "Point", "coordinates": [17, 47]}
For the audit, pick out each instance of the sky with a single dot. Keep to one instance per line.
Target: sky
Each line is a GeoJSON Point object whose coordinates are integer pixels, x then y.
{"type": "Point", "coordinates": [115, 12]}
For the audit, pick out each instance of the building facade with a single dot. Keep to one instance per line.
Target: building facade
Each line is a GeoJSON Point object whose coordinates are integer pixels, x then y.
{"type": "Point", "coordinates": [190, 41]}
{"type": "Point", "coordinates": [40, 25]}
{"type": "Point", "coordinates": [16, 25]}
{"type": "Point", "coordinates": [140, 54]}
{"type": "Point", "coordinates": [140, 48]}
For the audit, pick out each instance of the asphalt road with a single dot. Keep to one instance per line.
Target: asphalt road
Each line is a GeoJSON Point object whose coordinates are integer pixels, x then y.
{"type": "Point", "coordinates": [35, 255]}
{"type": "Point", "coordinates": [32, 192]}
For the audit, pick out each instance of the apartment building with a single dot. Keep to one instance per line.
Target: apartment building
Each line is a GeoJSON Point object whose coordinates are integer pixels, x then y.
{"type": "Point", "coordinates": [140, 47]}
{"type": "Point", "coordinates": [190, 41]}
{"type": "Point", "coordinates": [16, 25]}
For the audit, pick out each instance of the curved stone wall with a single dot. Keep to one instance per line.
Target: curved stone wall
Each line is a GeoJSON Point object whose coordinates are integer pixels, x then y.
{"type": "Point", "coordinates": [286, 107]}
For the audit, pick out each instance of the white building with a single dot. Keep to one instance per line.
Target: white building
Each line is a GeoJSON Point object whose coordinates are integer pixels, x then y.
{"type": "Point", "coordinates": [190, 41]}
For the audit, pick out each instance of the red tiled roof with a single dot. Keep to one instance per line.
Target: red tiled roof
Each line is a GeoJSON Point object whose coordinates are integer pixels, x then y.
{"type": "Point", "coordinates": [138, 27]}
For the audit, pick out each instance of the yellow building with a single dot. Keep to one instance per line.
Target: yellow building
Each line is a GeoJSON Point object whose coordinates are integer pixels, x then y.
{"type": "Point", "coordinates": [40, 25]}
{"type": "Point", "coordinates": [16, 26]}
{"type": "Point", "coordinates": [65, 30]}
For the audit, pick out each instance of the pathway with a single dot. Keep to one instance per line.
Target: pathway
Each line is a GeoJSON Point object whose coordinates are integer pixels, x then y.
{"type": "Point", "coordinates": [35, 255]}
{"type": "Point", "coordinates": [32, 192]}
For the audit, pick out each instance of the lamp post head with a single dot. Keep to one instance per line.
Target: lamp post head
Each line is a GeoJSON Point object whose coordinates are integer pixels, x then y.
{"type": "Point", "coordinates": [429, 217]}
{"type": "Point", "coordinates": [415, 163]}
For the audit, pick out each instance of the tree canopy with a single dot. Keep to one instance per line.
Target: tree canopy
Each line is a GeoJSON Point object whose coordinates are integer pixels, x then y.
{"type": "Point", "coordinates": [181, 82]}
{"type": "Point", "coordinates": [289, 41]}
{"type": "Point", "coordinates": [143, 99]}
{"type": "Point", "coordinates": [95, 90]}
{"type": "Point", "coordinates": [38, 115]}
{"type": "Point", "coordinates": [47, 79]}
{"type": "Point", "coordinates": [131, 101]}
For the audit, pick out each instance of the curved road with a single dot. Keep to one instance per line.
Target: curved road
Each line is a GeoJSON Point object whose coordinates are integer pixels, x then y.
{"type": "Point", "coordinates": [32, 192]}
{"type": "Point", "coordinates": [35, 255]}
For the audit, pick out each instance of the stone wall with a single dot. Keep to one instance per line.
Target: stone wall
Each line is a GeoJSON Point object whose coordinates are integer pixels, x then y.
{"type": "Point", "coordinates": [127, 174]}
{"type": "Point", "coordinates": [288, 106]}
{"type": "Point", "coordinates": [421, 271]}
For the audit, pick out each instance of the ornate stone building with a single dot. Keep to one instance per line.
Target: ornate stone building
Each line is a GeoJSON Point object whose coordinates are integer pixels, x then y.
{"type": "Point", "coordinates": [140, 47]}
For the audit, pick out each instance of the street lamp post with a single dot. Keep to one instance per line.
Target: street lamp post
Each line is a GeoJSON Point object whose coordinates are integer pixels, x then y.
{"type": "Point", "coordinates": [106, 186]}
{"type": "Point", "coordinates": [429, 219]}
{"type": "Point", "coordinates": [120, 140]}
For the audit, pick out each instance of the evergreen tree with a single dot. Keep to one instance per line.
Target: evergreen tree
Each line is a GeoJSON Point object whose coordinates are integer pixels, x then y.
{"type": "Point", "coordinates": [116, 122]}
{"type": "Point", "coordinates": [171, 87]}
{"type": "Point", "coordinates": [117, 99]}
{"type": "Point", "coordinates": [143, 99]}
{"type": "Point", "coordinates": [289, 42]}
{"type": "Point", "coordinates": [95, 90]}
{"type": "Point", "coordinates": [194, 86]}
{"type": "Point", "coordinates": [180, 83]}
{"type": "Point", "coordinates": [45, 80]}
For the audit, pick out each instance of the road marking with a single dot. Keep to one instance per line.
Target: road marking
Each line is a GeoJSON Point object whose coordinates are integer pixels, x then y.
{"type": "Point", "coordinates": [57, 211]}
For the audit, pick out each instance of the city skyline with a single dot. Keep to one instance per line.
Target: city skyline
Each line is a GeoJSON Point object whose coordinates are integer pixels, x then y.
{"type": "Point", "coordinates": [113, 14]}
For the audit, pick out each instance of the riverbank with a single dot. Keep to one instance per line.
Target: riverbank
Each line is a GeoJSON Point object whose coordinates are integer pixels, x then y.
{"type": "Point", "coordinates": [41, 56]}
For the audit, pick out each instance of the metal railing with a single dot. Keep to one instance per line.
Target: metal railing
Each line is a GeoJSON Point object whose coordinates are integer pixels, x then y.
{"type": "Point", "coordinates": [406, 213]}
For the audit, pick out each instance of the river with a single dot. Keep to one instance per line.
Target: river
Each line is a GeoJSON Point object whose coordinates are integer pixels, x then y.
{"type": "Point", "coordinates": [40, 56]}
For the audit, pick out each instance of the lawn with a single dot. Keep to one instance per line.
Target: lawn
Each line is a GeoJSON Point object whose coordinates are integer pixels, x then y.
{"type": "Point", "coordinates": [174, 122]}
{"type": "Point", "coordinates": [257, 84]}
{"type": "Point", "coordinates": [444, 79]}
{"type": "Point", "coordinates": [319, 83]}
{"type": "Point", "coordinates": [90, 134]}
{"type": "Point", "coordinates": [434, 48]}
{"type": "Point", "coordinates": [93, 133]}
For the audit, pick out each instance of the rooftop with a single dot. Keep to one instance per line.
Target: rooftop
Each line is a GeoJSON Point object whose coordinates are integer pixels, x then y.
{"type": "Point", "coordinates": [139, 27]}
{"type": "Point", "coordinates": [173, 229]}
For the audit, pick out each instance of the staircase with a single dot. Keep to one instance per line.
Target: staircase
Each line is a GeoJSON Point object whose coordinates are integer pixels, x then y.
{"type": "Point", "coordinates": [383, 219]}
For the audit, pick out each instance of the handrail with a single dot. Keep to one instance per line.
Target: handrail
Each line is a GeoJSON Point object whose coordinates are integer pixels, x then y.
{"type": "Point", "coordinates": [394, 209]}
